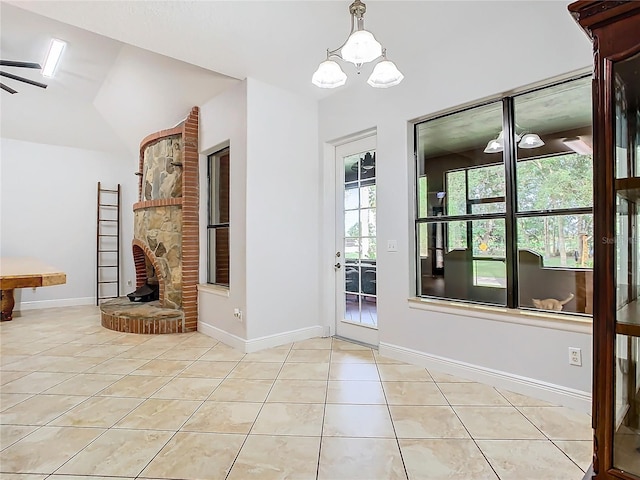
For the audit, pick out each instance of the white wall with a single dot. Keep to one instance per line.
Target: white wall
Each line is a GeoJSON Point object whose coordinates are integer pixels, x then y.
{"type": "Point", "coordinates": [224, 119]}
{"type": "Point", "coordinates": [48, 211]}
{"type": "Point", "coordinates": [283, 191]}
{"type": "Point", "coordinates": [473, 63]}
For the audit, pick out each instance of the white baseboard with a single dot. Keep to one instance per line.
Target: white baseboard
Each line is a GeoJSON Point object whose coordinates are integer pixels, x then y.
{"type": "Point", "coordinates": [549, 392]}
{"type": "Point", "coordinates": [256, 344]}
{"type": "Point", "coordinates": [63, 302]}
{"type": "Point", "coordinates": [225, 337]}
{"type": "Point", "coordinates": [283, 338]}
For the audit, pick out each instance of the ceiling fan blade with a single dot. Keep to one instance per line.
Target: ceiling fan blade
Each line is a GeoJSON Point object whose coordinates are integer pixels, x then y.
{"type": "Point", "coordinates": [7, 89]}
{"type": "Point", "coordinates": [11, 63]}
{"type": "Point", "coordinates": [22, 79]}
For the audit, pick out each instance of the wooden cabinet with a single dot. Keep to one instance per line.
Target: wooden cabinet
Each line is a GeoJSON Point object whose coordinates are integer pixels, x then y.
{"type": "Point", "coordinates": [614, 27]}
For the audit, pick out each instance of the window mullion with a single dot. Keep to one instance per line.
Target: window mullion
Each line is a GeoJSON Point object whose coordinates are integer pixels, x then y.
{"type": "Point", "coordinates": [510, 159]}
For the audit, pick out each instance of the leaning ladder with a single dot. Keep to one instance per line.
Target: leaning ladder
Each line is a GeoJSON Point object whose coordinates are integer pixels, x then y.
{"type": "Point", "coordinates": [108, 244]}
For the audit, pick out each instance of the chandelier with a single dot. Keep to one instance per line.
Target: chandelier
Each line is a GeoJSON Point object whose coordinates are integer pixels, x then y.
{"type": "Point", "coordinates": [360, 47]}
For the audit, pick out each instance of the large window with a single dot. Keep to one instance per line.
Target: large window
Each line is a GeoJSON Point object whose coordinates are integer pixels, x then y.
{"type": "Point", "coordinates": [218, 225]}
{"type": "Point", "coordinates": [504, 201]}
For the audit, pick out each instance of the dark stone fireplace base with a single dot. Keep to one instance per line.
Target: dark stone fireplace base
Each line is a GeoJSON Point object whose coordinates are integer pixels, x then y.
{"type": "Point", "coordinates": [122, 315]}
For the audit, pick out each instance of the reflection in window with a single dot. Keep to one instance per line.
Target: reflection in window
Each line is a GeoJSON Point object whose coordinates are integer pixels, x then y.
{"type": "Point", "coordinates": [469, 223]}
{"type": "Point", "coordinates": [218, 224]}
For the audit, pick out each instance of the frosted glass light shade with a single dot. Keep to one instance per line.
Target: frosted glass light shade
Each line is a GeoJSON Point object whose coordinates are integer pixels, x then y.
{"type": "Point", "coordinates": [531, 140]}
{"type": "Point", "coordinates": [494, 146]}
{"type": "Point", "coordinates": [329, 75]}
{"type": "Point", "coordinates": [385, 75]}
{"type": "Point", "coordinates": [361, 47]}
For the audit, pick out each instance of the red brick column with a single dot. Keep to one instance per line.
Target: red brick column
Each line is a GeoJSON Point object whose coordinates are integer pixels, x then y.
{"type": "Point", "coordinates": [190, 220]}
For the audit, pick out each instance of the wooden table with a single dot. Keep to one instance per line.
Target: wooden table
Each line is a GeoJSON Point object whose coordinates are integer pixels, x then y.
{"type": "Point", "coordinates": [21, 272]}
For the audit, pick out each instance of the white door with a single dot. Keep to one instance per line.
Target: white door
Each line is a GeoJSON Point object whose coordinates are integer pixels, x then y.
{"type": "Point", "coordinates": [355, 252]}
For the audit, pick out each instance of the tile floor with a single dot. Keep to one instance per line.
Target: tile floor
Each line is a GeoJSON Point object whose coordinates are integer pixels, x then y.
{"type": "Point", "coordinates": [82, 402]}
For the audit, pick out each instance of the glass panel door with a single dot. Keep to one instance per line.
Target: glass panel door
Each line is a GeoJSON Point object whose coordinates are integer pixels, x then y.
{"type": "Point", "coordinates": [356, 241]}
{"type": "Point", "coordinates": [626, 435]}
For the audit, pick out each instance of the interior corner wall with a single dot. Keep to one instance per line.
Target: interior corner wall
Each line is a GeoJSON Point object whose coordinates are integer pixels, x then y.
{"type": "Point", "coordinates": [283, 194]}
{"type": "Point", "coordinates": [458, 73]}
{"type": "Point", "coordinates": [224, 119]}
{"type": "Point", "coordinates": [48, 208]}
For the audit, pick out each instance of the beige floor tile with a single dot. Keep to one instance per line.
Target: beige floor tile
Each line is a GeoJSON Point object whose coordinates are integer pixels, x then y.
{"type": "Point", "coordinates": [318, 343]}
{"type": "Point", "coordinates": [529, 460]}
{"type": "Point", "coordinates": [10, 434]}
{"type": "Point", "coordinates": [355, 392]}
{"type": "Point", "coordinates": [144, 352]}
{"type": "Point", "coordinates": [200, 340]}
{"type": "Point", "coordinates": [19, 362]}
{"type": "Point", "coordinates": [119, 366]}
{"type": "Point", "coordinates": [162, 368]}
{"type": "Point", "coordinates": [188, 388]}
{"type": "Point", "coordinates": [580, 451]}
{"type": "Point", "coordinates": [266, 457]}
{"type": "Point", "coordinates": [275, 355]}
{"type": "Point", "coordinates": [523, 400]}
{"type": "Point", "coordinates": [184, 353]}
{"type": "Point", "coordinates": [97, 412]}
{"type": "Point", "coordinates": [45, 450]}
{"type": "Point", "coordinates": [256, 370]}
{"type": "Point", "coordinates": [490, 423]}
{"type": "Point", "coordinates": [386, 360]}
{"type": "Point", "coordinates": [8, 400]}
{"type": "Point", "coordinates": [472, 394]}
{"type": "Point", "coordinates": [40, 409]}
{"type": "Point", "coordinates": [343, 345]}
{"type": "Point", "coordinates": [195, 456]}
{"type": "Point", "coordinates": [223, 417]}
{"type": "Point", "coordinates": [84, 384]}
{"type": "Point", "coordinates": [445, 459]}
{"type": "Point", "coordinates": [103, 351]}
{"type": "Point", "coordinates": [35, 382]}
{"type": "Point", "coordinates": [67, 350]}
{"type": "Point", "coordinates": [304, 371]}
{"type": "Point", "coordinates": [23, 476]}
{"type": "Point", "coordinates": [357, 421]}
{"type": "Point", "coordinates": [118, 452]}
{"type": "Point", "coordinates": [222, 353]}
{"type": "Point", "coordinates": [441, 377]}
{"type": "Point", "coordinates": [298, 391]}
{"type": "Point", "coordinates": [403, 373]}
{"type": "Point", "coordinates": [8, 376]}
{"type": "Point", "coordinates": [242, 390]}
{"type": "Point", "coordinates": [138, 386]}
{"type": "Point", "coordinates": [289, 419]}
{"type": "Point", "coordinates": [426, 422]}
{"type": "Point", "coordinates": [72, 364]}
{"type": "Point", "coordinates": [309, 356]}
{"type": "Point", "coordinates": [413, 393]}
{"type": "Point", "coordinates": [560, 423]}
{"type": "Point", "coordinates": [159, 414]}
{"type": "Point", "coordinates": [352, 356]}
{"type": "Point", "coordinates": [86, 477]}
{"type": "Point", "coordinates": [354, 371]}
{"type": "Point", "coordinates": [360, 459]}
{"type": "Point", "coordinates": [204, 369]}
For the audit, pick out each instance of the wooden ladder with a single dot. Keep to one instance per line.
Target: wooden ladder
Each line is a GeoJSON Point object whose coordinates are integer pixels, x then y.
{"type": "Point", "coordinates": [108, 244]}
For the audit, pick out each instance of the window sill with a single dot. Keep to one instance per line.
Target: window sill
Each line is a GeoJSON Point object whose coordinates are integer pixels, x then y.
{"type": "Point", "coordinates": [569, 323]}
{"type": "Point", "coordinates": [213, 289]}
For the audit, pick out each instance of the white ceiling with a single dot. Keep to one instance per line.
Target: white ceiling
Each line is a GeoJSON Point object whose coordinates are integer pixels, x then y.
{"type": "Point", "coordinates": [195, 49]}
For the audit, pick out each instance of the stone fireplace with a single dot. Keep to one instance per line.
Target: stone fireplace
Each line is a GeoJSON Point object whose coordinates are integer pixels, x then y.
{"type": "Point", "coordinates": [165, 246]}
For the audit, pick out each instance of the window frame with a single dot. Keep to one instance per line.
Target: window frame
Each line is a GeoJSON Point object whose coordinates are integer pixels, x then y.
{"type": "Point", "coordinates": [213, 181]}
{"type": "Point", "coordinates": [511, 215]}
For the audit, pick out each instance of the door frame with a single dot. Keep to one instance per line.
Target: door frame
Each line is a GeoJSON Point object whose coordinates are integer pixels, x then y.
{"type": "Point", "coordinates": [358, 333]}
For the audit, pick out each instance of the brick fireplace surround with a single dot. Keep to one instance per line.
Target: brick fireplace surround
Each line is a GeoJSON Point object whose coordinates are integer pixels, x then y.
{"type": "Point", "coordinates": [166, 235]}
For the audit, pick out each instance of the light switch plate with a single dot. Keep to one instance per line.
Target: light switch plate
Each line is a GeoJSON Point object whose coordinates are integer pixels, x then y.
{"type": "Point", "coordinates": [392, 245]}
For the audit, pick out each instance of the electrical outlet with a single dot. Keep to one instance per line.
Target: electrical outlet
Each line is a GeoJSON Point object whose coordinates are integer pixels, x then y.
{"type": "Point", "coordinates": [238, 314]}
{"type": "Point", "coordinates": [575, 356]}
{"type": "Point", "coordinates": [128, 283]}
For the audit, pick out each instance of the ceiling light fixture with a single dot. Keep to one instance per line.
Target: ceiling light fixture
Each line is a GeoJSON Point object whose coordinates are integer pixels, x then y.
{"type": "Point", "coordinates": [53, 57]}
{"type": "Point", "coordinates": [528, 140]}
{"type": "Point", "coordinates": [360, 47]}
